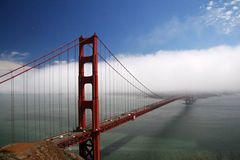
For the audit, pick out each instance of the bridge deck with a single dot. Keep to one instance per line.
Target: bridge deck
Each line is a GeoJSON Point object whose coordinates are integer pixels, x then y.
{"type": "Point", "coordinates": [71, 138]}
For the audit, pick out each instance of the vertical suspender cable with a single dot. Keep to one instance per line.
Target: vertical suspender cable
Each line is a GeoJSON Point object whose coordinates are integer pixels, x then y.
{"type": "Point", "coordinates": [44, 99]}
{"type": "Point", "coordinates": [100, 87]}
{"type": "Point", "coordinates": [133, 94]}
{"type": "Point", "coordinates": [110, 90]}
{"type": "Point", "coordinates": [39, 104]}
{"type": "Point", "coordinates": [24, 108]}
{"type": "Point", "coordinates": [75, 85]}
{"type": "Point", "coordinates": [53, 99]}
{"type": "Point", "coordinates": [118, 96]}
{"type": "Point", "coordinates": [49, 99]}
{"type": "Point", "coordinates": [59, 90]}
{"type": "Point", "coordinates": [61, 93]}
{"type": "Point", "coordinates": [105, 100]}
{"type": "Point", "coordinates": [68, 120]}
{"type": "Point", "coordinates": [113, 94]}
{"type": "Point", "coordinates": [34, 103]}
{"type": "Point", "coordinates": [125, 95]}
{"type": "Point", "coordinates": [27, 111]}
{"type": "Point", "coordinates": [12, 112]}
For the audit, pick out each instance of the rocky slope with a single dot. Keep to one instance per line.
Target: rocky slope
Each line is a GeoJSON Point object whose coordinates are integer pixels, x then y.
{"type": "Point", "coordinates": [36, 151]}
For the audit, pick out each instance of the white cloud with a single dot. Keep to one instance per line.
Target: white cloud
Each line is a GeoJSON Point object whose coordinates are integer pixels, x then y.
{"type": "Point", "coordinates": [229, 13]}
{"type": "Point", "coordinates": [234, 2]}
{"type": "Point", "coordinates": [209, 8]}
{"type": "Point", "coordinates": [13, 55]}
{"type": "Point", "coordinates": [216, 15]}
{"type": "Point", "coordinates": [6, 66]}
{"type": "Point", "coordinates": [173, 28]}
{"type": "Point", "coordinates": [235, 7]}
{"type": "Point", "coordinates": [215, 69]}
{"type": "Point", "coordinates": [162, 33]}
{"type": "Point", "coordinates": [210, 3]}
{"type": "Point", "coordinates": [223, 15]}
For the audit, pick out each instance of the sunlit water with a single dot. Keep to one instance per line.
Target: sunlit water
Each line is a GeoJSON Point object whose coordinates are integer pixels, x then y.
{"type": "Point", "coordinates": [208, 128]}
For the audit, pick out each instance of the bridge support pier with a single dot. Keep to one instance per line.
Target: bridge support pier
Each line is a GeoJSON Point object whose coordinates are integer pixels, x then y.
{"type": "Point", "coordinates": [190, 100]}
{"type": "Point", "coordinates": [89, 149]}
{"type": "Point", "coordinates": [86, 149]}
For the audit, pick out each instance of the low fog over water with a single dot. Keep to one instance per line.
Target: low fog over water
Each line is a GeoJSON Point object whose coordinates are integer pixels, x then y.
{"type": "Point", "coordinates": [215, 69]}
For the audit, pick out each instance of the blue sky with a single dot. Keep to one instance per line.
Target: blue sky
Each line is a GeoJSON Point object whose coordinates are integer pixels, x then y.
{"type": "Point", "coordinates": [127, 26]}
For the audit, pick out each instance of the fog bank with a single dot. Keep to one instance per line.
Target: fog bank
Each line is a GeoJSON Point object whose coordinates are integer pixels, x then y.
{"type": "Point", "coordinates": [215, 69]}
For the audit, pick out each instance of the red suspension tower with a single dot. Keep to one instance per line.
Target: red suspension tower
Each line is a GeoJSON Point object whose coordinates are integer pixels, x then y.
{"type": "Point", "coordinates": [89, 149]}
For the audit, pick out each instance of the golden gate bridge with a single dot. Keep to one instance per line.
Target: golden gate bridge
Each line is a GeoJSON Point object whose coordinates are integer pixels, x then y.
{"type": "Point", "coordinates": [73, 94]}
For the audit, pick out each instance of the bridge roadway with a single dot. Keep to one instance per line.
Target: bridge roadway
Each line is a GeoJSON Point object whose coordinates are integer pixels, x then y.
{"type": "Point", "coordinates": [71, 138]}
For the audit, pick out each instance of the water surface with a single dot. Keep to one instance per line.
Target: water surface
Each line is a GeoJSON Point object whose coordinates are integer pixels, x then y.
{"type": "Point", "coordinates": [210, 128]}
